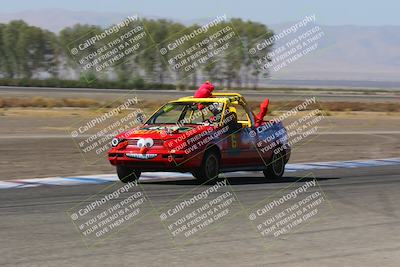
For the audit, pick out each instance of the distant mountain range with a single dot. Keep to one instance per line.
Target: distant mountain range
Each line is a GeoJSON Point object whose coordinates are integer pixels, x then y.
{"type": "Point", "coordinates": [348, 53]}
{"type": "Point", "coordinates": [366, 53]}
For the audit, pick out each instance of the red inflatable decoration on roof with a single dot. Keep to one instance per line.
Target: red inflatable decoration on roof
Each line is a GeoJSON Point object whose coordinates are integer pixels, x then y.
{"type": "Point", "coordinates": [205, 90]}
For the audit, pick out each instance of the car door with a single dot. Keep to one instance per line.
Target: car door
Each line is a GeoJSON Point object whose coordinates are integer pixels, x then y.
{"type": "Point", "coordinates": [241, 148]}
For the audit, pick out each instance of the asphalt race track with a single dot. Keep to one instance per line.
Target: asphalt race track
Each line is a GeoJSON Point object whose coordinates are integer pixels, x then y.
{"type": "Point", "coordinates": [358, 226]}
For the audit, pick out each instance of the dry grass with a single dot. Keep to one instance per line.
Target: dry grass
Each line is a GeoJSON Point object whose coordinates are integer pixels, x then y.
{"type": "Point", "coordinates": [42, 102]}
{"type": "Point", "coordinates": [335, 106]}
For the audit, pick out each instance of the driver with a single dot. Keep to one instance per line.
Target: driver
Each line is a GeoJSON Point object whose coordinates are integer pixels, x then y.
{"type": "Point", "coordinates": [212, 112]}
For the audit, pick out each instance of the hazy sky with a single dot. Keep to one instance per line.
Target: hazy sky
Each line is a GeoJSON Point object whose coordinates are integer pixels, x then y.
{"type": "Point", "coordinates": [338, 12]}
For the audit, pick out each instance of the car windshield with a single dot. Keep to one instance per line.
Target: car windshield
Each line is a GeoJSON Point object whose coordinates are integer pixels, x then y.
{"type": "Point", "coordinates": [188, 113]}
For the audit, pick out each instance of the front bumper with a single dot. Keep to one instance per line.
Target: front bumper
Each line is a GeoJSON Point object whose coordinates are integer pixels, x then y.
{"type": "Point", "coordinates": [155, 160]}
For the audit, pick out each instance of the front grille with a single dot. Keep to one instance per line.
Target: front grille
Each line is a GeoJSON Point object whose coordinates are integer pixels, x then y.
{"type": "Point", "coordinates": [119, 155]}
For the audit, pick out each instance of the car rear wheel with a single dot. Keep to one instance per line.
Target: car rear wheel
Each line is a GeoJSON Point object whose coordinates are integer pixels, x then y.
{"type": "Point", "coordinates": [276, 167]}
{"type": "Point", "coordinates": [209, 168]}
{"type": "Point", "coordinates": [127, 175]}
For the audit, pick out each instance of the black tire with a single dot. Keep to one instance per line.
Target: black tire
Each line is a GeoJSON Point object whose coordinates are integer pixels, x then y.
{"type": "Point", "coordinates": [209, 167]}
{"type": "Point", "coordinates": [276, 167]}
{"type": "Point", "coordinates": [127, 175]}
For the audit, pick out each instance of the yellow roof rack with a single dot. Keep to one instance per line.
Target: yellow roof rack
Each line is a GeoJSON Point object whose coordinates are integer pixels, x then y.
{"type": "Point", "coordinates": [217, 97]}
{"type": "Point", "coordinates": [193, 99]}
{"type": "Point", "coordinates": [227, 94]}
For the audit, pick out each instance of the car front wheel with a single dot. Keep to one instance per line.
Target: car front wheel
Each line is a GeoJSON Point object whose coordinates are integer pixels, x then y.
{"type": "Point", "coordinates": [127, 175]}
{"type": "Point", "coordinates": [209, 168]}
{"type": "Point", "coordinates": [276, 167]}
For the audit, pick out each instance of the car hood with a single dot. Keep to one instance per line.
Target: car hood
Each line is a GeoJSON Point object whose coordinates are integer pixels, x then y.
{"type": "Point", "coordinates": [164, 131]}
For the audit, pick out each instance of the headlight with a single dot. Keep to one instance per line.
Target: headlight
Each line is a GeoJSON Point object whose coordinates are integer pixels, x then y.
{"type": "Point", "coordinates": [114, 141]}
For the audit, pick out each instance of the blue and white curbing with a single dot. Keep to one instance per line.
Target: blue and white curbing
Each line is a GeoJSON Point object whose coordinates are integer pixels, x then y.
{"type": "Point", "coordinates": [107, 178]}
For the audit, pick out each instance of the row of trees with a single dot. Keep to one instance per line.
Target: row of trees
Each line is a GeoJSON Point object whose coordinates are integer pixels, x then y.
{"type": "Point", "coordinates": [28, 52]}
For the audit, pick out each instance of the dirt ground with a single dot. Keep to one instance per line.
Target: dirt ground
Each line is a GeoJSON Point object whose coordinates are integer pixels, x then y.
{"type": "Point", "coordinates": [35, 142]}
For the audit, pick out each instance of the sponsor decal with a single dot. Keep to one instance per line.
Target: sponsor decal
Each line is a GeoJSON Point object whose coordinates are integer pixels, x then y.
{"type": "Point", "coordinates": [141, 156]}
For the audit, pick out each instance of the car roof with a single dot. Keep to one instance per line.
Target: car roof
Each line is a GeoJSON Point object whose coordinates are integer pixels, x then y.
{"type": "Point", "coordinates": [217, 97]}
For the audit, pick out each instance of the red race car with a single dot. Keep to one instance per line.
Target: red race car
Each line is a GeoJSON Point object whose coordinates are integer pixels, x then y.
{"type": "Point", "coordinates": [204, 136]}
